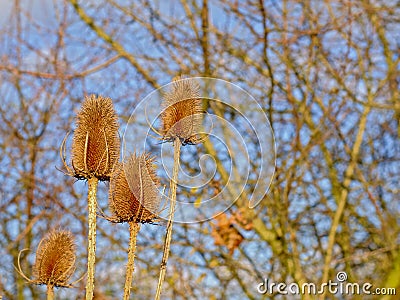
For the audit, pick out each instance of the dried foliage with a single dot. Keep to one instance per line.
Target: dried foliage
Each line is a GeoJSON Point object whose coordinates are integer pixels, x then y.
{"type": "Point", "coordinates": [133, 195]}
{"type": "Point", "coordinates": [182, 114]}
{"type": "Point", "coordinates": [226, 234]}
{"type": "Point", "coordinates": [55, 259]}
{"type": "Point", "coordinates": [96, 144]}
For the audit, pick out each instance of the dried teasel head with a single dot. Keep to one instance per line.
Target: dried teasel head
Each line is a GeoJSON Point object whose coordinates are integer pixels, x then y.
{"type": "Point", "coordinates": [96, 143]}
{"type": "Point", "coordinates": [182, 114]}
{"type": "Point", "coordinates": [133, 195]}
{"type": "Point", "coordinates": [55, 259]}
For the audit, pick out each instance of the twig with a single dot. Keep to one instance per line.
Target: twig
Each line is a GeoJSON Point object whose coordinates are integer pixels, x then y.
{"type": "Point", "coordinates": [92, 204]}
{"type": "Point", "coordinates": [130, 267]}
{"type": "Point", "coordinates": [50, 292]}
{"type": "Point", "coordinates": [168, 236]}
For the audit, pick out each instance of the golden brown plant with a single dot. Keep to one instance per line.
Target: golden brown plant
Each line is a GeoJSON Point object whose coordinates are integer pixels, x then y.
{"type": "Point", "coordinates": [182, 114]}
{"type": "Point", "coordinates": [133, 194]}
{"type": "Point", "coordinates": [96, 144]}
{"type": "Point", "coordinates": [134, 198]}
{"type": "Point", "coordinates": [181, 121]}
{"type": "Point", "coordinates": [55, 261]}
{"type": "Point", "coordinates": [95, 151]}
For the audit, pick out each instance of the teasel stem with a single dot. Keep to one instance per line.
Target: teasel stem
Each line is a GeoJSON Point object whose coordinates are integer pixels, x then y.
{"type": "Point", "coordinates": [92, 204]}
{"type": "Point", "coordinates": [130, 267]}
{"type": "Point", "coordinates": [168, 236]}
{"type": "Point", "coordinates": [50, 292]}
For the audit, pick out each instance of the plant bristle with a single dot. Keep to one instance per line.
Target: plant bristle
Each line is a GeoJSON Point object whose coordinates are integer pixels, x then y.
{"type": "Point", "coordinates": [182, 114]}
{"type": "Point", "coordinates": [96, 144]}
{"type": "Point", "coordinates": [55, 259]}
{"type": "Point", "coordinates": [133, 192]}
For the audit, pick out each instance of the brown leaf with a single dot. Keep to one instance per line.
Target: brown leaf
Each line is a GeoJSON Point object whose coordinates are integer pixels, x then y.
{"type": "Point", "coordinates": [225, 234]}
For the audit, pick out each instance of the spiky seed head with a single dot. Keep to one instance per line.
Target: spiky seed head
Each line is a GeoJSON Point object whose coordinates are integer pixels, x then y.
{"type": "Point", "coordinates": [182, 114]}
{"type": "Point", "coordinates": [55, 259]}
{"type": "Point", "coordinates": [96, 144]}
{"type": "Point", "coordinates": [133, 194]}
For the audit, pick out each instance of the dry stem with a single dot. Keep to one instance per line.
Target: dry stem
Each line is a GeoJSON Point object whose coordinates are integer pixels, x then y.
{"type": "Point", "coordinates": [92, 204]}
{"type": "Point", "coordinates": [168, 236]}
{"type": "Point", "coordinates": [130, 267]}
{"type": "Point", "coordinates": [50, 292]}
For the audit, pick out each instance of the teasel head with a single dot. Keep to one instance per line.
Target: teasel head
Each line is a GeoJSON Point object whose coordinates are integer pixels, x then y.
{"type": "Point", "coordinates": [96, 143]}
{"type": "Point", "coordinates": [133, 194]}
{"type": "Point", "coordinates": [182, 111]}
{"type": "Point", "coordinates": [55, 260]}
